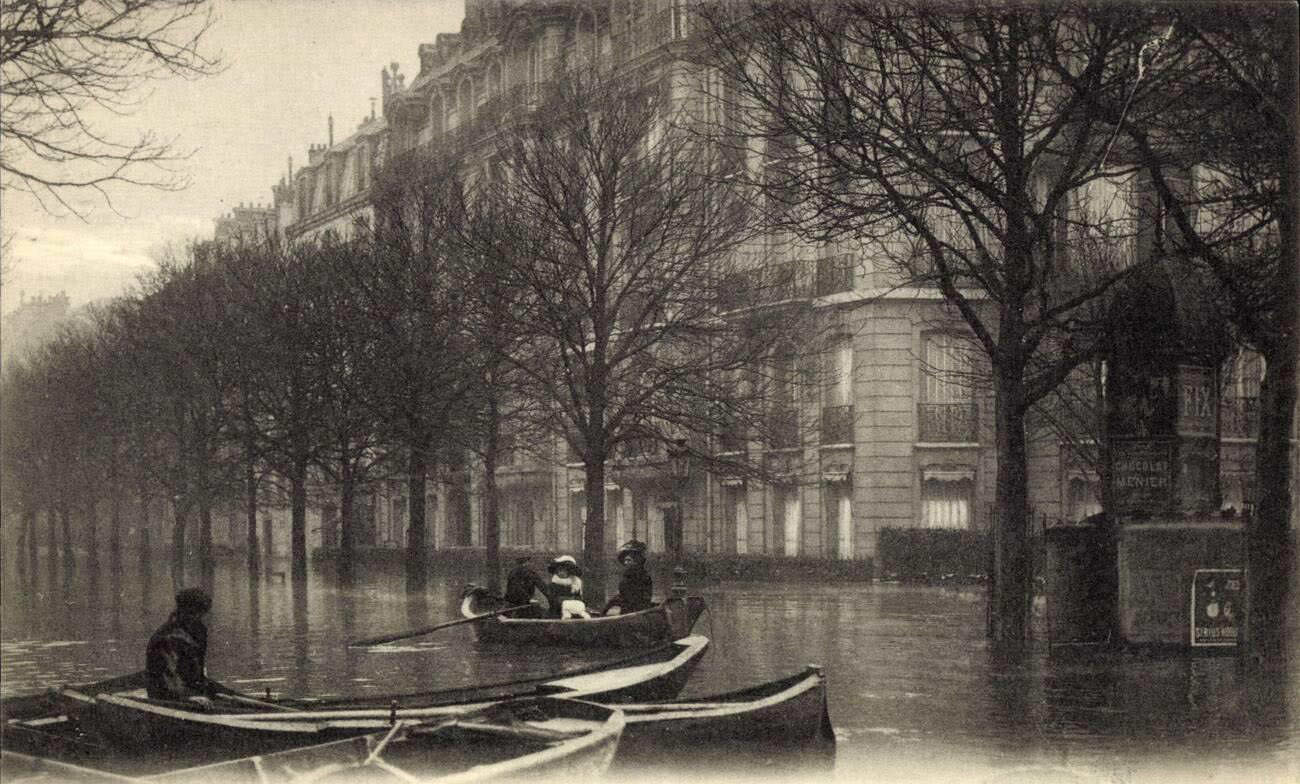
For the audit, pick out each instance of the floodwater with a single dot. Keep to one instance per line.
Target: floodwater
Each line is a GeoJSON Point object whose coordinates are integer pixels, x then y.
{"type": "Point", "coordinates": [915, 692]}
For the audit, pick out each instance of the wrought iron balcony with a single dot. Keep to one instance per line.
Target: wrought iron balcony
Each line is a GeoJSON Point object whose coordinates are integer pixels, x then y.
{"type": "Point", "coordinates": [834, 274]}
{"type": "Point", "coordinates": [837, 424]}
{"type": "Point", "coordinates": [948, 422]}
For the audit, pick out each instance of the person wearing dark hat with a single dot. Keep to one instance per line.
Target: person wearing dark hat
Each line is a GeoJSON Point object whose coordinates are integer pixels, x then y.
{"type": "Point", "coordinates": [522, 583]}
{"type": "Point", "coordinates": [566, 588]}
{"type": "Point", "coordinates": [175, 659]}
{"type": "Point", "coordinates": [635, 588]}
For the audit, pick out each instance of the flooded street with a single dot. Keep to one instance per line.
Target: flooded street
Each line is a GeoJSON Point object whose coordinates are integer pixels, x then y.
{"type": "Point", "coordinates": [915, 693]}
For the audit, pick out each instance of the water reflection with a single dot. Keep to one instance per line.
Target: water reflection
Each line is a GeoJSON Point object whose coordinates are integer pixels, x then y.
{"type": "Point", "coordinates": [915, 691]}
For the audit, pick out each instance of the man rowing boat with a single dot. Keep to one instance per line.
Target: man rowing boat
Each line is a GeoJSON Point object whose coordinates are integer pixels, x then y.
{"type": "Point", "coordinates": [175, 658]}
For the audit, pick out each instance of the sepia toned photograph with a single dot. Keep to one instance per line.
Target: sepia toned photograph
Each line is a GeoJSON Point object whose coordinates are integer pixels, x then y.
{"type": "Point", "coordinates": [648, 391]}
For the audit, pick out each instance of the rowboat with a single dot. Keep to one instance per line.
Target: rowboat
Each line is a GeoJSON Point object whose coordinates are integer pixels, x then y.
{"type": "Point", "coordinates": [670, 620]}
{"type": "Point", "coordinates": [129, 722]}
{"type": "Point", "coordinates": [789, 712]}
{"type": "Point", "coordinates": [535, 739]}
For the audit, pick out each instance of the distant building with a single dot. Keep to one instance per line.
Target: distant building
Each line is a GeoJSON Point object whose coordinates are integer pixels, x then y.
{"type": "Point", "coordinates": [32, 324]}
{"type": "Point", "coordinates": [252, 223]}
{"type": "Point", "coordinates": [332, 192]}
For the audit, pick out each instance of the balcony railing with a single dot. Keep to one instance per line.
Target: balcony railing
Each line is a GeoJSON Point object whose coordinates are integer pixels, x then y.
{"type": "Point", "coordinates": [834, 274]}
{"type": "Point", "coordinates": [837, 424]}
{"type": "Point", "coordinates": [948, 422]}
{"type": "Point", "coordinates": [1239, 417]}
{"type": "Point", "coordinates": [783, 429]}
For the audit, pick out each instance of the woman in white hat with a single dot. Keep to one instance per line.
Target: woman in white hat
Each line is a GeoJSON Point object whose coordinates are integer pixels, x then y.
{"type": "Point", "coordinates": [566, 587]}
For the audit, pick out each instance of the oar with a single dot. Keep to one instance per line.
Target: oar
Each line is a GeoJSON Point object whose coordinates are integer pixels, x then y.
{"type": "Point", "coordinates": [250, 701]}
{"type": "Point", "coordinates": [427, 629]}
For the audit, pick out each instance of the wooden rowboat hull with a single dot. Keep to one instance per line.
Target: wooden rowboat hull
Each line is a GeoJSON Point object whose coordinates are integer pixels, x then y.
{"type": "Point", "coordinates": [790, 712]}
{"type": "Point", "coordinates": [536, 740]}
{"type": "Point", "coordinates": [671, 620]}
{"type": "Point", "coordinates": [130, 722]}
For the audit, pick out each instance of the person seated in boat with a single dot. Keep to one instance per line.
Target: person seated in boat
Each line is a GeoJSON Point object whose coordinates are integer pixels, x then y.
{"type": "Point", "coordinates": [522, 584]}
{"type": "Point", "coordinates": [566, 588]}
{"type": "Point", "coordinates": [635, 588]}
{"type": "Point", "coordinates": [175, 658]}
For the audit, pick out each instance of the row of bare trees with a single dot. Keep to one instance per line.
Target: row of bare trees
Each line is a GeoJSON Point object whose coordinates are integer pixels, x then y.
{"type": "Point", "coordinates": [570, 298]}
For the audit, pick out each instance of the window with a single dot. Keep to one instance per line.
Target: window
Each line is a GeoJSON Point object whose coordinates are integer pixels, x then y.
{"type": "Point", "coordinates": [839, 517]}
{"type": "Point", "coordinates": [838, 390]}
{"type": "Point", "coordinates": [1103, 223]}
{"type": "Point", "coordinates": [947, 410]}
{"type": "Point", "coordinates": [946, 498]}
{"type": "Point", "coordinates": [788, 512]}
{"type": "Point", "coordinates": [736, 512]}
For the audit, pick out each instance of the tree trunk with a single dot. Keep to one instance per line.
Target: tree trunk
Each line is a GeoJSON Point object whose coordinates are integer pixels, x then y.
{"type": "Point", "coordinates": [417, 527]}
{"type": "Point", "coordinates": [29, 523]}
{"type": "Point", "coordinates": [146, 538]}
{"type": "Point", "coordinates": [593, 538]}
{"type": "Point", "coordinates": [115, 509]}
{"type": "Point", "coordinates": [250, 513]}
{"type": "Point", "coordinates": [347, 521]}
{"type": "Point", "coordinates": [180, 511]}
{"type": "Point", "coordinates": [1009, 595]}
{"type": "Point", "coordinates": [92, 534]}
{"type": "Point", "coordinates": [1270, 545]}
{"type": "Point", "coordinates": [268, 541]}
{"type": "Point", "coordinates": [65, 522]}
{"type": "Point", "coordinates": [491, 499]}
{"type": "Point", "coordinates": [298, 524]}
{"type": "Point", "coordinates": [52, 534]}
{"type": "Point", "coordinates": [205, 530]}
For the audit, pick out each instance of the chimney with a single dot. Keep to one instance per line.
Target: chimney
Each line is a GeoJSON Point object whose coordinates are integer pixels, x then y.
{"type": "Point", "coordinates": [331, 136]}
{"type": "Point", "coordinates": [372, 108]}
{"type": "Point", "coordinates": [290, 168]}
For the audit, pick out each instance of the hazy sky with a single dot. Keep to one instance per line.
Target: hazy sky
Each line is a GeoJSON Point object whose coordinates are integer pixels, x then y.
{"type": "Point", "coordinates": [289, 65]}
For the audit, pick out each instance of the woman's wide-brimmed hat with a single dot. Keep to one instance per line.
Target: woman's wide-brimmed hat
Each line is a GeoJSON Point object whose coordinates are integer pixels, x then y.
{"type": "Point", "coordinates": [565, 561]}
{"type": "Point", "coordinates": [632, 547]}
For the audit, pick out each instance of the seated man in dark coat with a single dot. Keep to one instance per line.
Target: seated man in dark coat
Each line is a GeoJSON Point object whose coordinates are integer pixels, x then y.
{"type": "Point", "coordinates": [175, 659]}
{"type": "Point", "coordinates": [635, 588]}
{"type": "Point", "coordinates": [521, 584]}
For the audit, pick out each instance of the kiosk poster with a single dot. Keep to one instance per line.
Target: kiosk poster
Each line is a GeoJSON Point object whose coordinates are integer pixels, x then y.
{"type": "Point", "coordinates": [1218, 606]}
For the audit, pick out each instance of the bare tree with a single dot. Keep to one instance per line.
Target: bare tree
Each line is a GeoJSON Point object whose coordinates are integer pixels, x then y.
{"type": "Point", "coordinates": [944, 137]}
{"type": "Point", "coordinates": [623, 279]}
{"type": "Point", "coordinates": [67, 67]}
{"type": "Point", "coordinates": [412, 294]}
